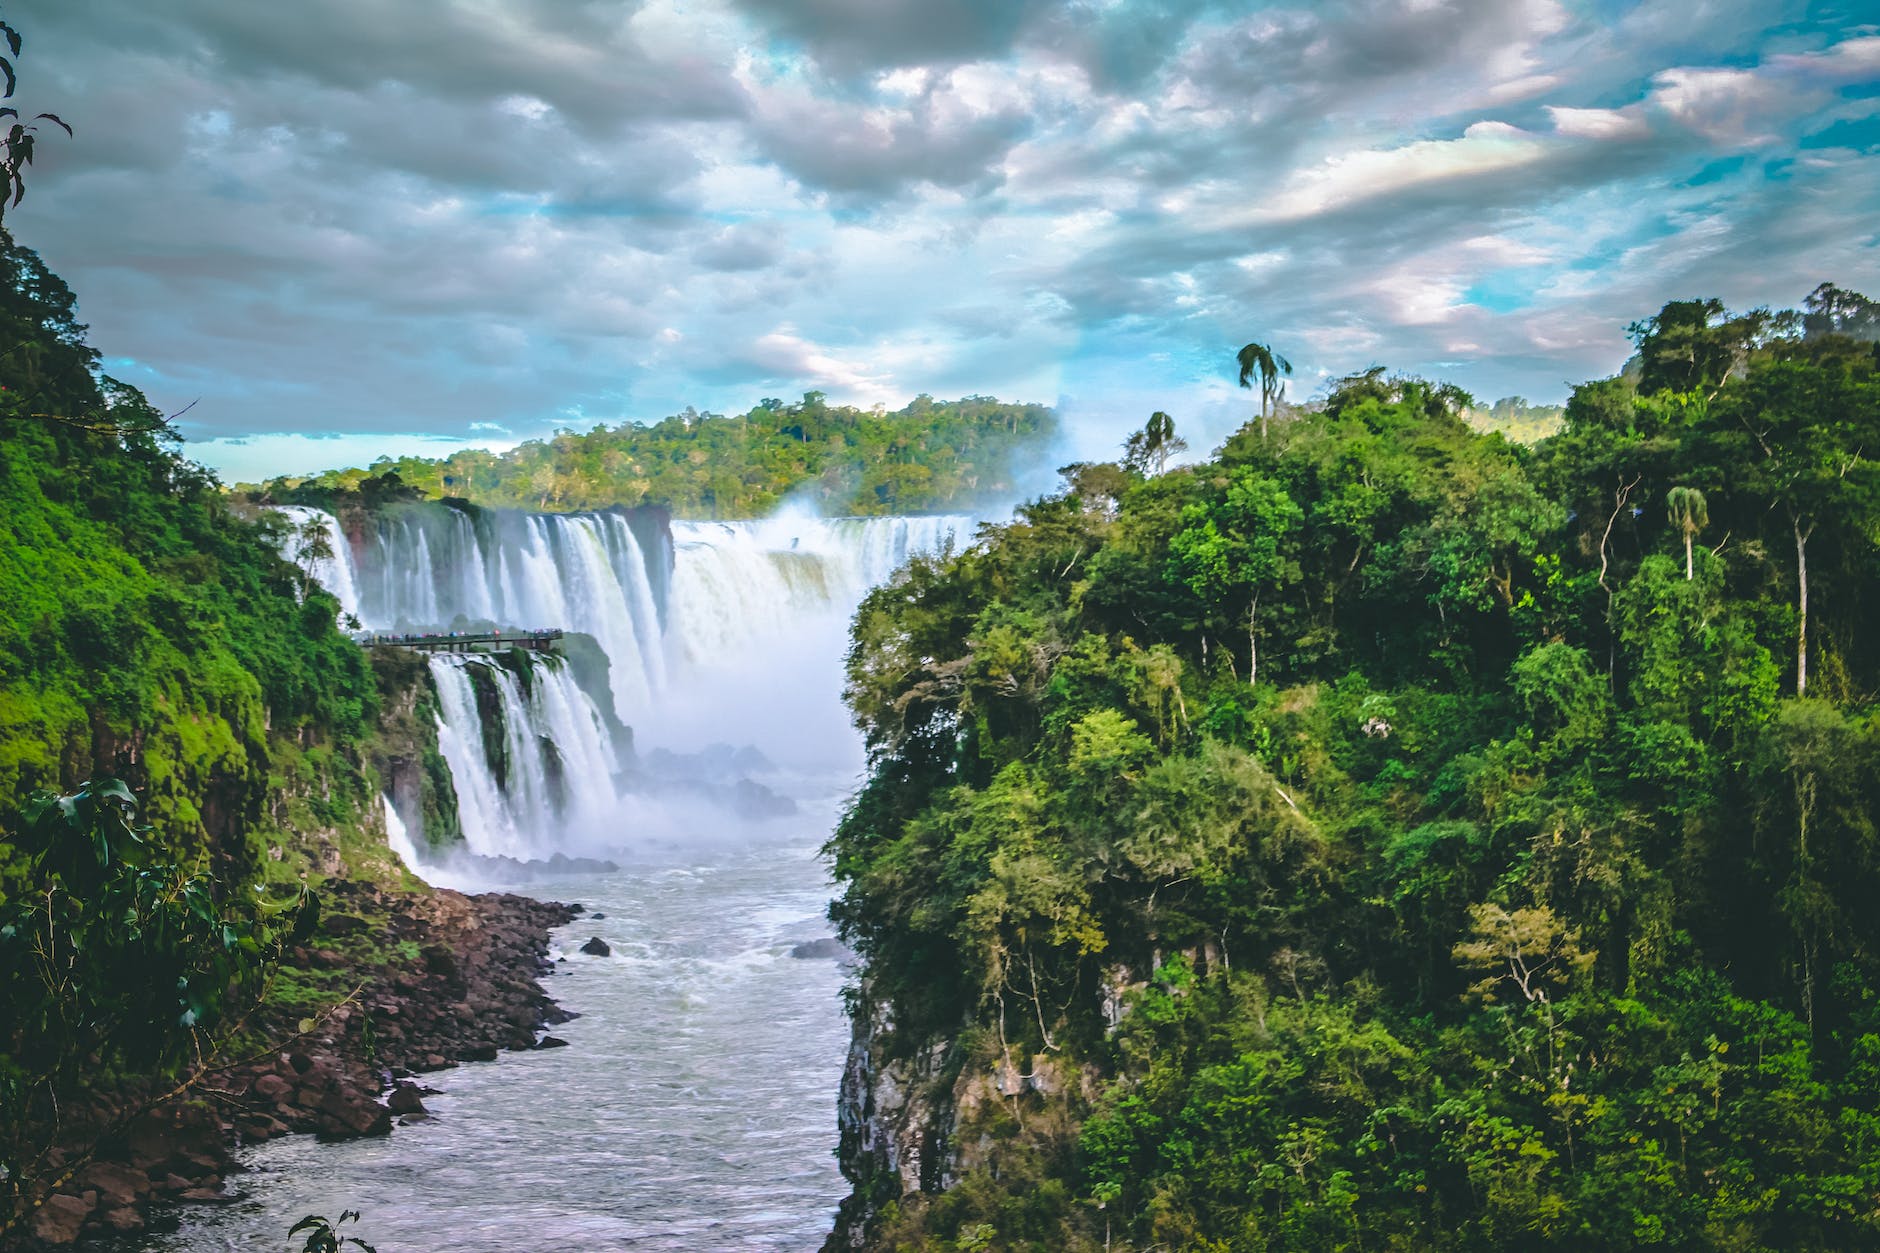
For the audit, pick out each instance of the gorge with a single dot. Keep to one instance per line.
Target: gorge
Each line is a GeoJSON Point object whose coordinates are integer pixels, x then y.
{"type": "Point", "coordinates": [691, 737]}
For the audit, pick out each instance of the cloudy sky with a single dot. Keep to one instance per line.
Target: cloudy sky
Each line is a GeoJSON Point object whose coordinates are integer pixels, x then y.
{"type": "Point", "coordinates": [352, 226]}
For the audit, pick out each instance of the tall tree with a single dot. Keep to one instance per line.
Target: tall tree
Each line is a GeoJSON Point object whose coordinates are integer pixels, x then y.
{"type": "Point", "coordinates": [1690, 513]}
{"type": "Point", "coordinates": [1808, 430]}
{"type": "Point", "coordinates": [1154, 444]}
{"type": "Point", "coordinates": [1259, 361]}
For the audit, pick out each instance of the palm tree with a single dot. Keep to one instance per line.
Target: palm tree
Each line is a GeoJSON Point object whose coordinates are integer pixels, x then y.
{"type": "Point", "coordinates": [1155, 442]}
{"type": "Point", "coordinates": [1690, 513]}
{"type": "Point", "coordinates": [1259, 360]}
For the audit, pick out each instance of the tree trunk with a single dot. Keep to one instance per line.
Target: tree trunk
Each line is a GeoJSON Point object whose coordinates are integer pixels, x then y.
{"type": "Point", "coordinates": [1687, 557]}
{"type": "Point", "coordinates": [1801, 580]}
{"type": "Point", "coordinates": [1253, 646]}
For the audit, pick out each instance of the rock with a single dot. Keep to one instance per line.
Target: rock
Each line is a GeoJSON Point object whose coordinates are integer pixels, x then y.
{"type": "Point", "coordinates": [271, 1087]}
{"type": "Point", "coordinates": [349, 1117]}
{"type": "Point", "coordinates": [551, 1042]}
{"type": "Point", "coordinates": [1044, 1078]}
{"type": "Point", "coordinates": [405, 1100]}
{"type": "Point", "coordinates": [441, 961]}
{"type": "Point", "coordinates": [204, 1194]}
{"type": "Point", "coordinates": [826, 948]}
{"type": "Point", "coordinates": [117, 1185]}
{"type": "Point", "coordinates": [342, 924]}
{"type": "Point", "coordinates": [597, 947]}
{"type": "Point", "coordinates": [596, 915]}
{"type": "Point", "coordinates": [60, 1218]}
{"type": "Point", "coordinates": [481, 1053]}
{"type": "Point", "coordinates": [124, 1219]}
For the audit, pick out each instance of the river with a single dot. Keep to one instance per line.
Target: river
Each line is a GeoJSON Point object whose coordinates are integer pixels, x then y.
{"type": "Point", "coordinates": [693, 1109]}
{"type": "Point", "coordinates": [695, 1105]}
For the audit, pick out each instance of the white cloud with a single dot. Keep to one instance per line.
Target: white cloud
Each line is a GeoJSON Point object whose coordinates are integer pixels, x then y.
{"type": "Point", "coordinates": [1602, 124]}
{"type": "Point", "coordinates": [619, 211]}
{"type": "Point", "coordinates": [1485, 147]}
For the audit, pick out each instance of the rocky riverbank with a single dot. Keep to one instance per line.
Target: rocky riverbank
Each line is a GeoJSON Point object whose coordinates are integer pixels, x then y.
{"type": "Point", "coordinates": [394, 985]}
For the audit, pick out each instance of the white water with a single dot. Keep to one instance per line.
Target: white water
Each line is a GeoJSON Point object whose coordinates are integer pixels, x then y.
{"type": "Point", "coordinates": [397, 838]}
{"type": "Point", "coordinates": [706, 602]}
{"type": "Point", "coordinates": [695, 1106]}
{"type": "Point", "coordinates": [559, 759]}
{"type": "Point", "coordinates": [334, 573]}
{"type": "Point", "coordinates": [693, 1111]}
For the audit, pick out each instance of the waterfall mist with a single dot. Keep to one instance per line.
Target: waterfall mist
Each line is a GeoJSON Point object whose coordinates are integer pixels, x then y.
{"type": "Point", "coordinates": [722, 642]}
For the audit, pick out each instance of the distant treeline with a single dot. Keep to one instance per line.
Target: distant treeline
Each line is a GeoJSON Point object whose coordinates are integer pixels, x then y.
{"type": "Point", "coordinates": [1515, 418]}
{"type": "Point", "coordinates": [931, 455]}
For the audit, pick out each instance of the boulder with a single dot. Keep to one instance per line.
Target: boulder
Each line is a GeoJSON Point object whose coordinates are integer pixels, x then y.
{"type": "Point", "coordinates": [117, 1185]}
{"type": "Point", "coordinates": [344, 1116]}
{"type": "Point", "coordinates": [597, 947]}
{"type": "Point", "coordinates": [405, 1100]}
{"type": "Point", "coordinates": [271, 1087]}
{"type": "Point", "coordinates": [59, 1219]}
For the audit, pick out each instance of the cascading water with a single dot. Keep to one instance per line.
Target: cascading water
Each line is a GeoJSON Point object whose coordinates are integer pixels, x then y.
{"type": "Point", "coordinates": [695, 1105]}
{"type": "Point", "coordinates": [434, 567]}
{"type": "Point", "coordinates": [529, 753]}
{"type": "Point", "coordinates": [333, 571]}
{"type": "Point", "coordinates": [713, 632]}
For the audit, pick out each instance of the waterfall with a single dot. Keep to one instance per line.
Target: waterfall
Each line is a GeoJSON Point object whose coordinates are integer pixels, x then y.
{"type": "Point", "coordinates": [397, 838]}
{"type": "Point", "coordinates": [714, 632]}
{"type": "Point", "coordinates": [437, 567]}
{"type": "Point", "coordinates": [737, 584]}
{"type": "Point", "coordinates": [528, 751]}
{"type": "Point", "coordinates": [335, 573]}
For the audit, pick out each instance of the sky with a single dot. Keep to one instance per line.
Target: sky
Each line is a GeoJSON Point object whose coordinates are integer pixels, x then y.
{"type": "Point", "coordinates": [344, 228]}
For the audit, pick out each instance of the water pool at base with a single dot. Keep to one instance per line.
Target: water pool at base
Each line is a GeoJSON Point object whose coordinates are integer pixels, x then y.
{"type": "Point", "coordinates": [693, 1109]}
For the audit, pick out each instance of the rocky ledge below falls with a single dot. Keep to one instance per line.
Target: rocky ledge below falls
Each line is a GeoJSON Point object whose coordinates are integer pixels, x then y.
{"type": "Point", "coordinates": [397, 984]}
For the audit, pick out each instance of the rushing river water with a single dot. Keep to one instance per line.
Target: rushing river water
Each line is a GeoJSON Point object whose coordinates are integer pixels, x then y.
{"type": "Point", "coordinates": [694, 1108]}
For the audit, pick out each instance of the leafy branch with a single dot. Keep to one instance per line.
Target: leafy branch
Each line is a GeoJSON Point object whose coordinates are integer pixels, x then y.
{"type": "Point", "coordinates": [16, 150]}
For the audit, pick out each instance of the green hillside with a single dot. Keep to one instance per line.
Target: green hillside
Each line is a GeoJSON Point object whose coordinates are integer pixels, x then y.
{"type": "Point", "coordinates": [1476, 843]}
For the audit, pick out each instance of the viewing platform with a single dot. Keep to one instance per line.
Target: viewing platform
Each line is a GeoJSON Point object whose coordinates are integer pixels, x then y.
{"type": "Point", "coordinates": [465, 642]}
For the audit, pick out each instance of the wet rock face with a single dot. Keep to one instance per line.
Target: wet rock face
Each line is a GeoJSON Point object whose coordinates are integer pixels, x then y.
{"type": "Point", "coordinates": [895, 1117]}
{"type": "Point", "coordinates": [470, 990]}
{"type": "Point", "coordinates": [597, 947]}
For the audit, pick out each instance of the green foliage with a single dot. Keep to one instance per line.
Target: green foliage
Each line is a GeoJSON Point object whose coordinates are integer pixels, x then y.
{"type": "Point", "coordinates": [113, 960]}
{"type": "Point", "coordinates": [19, 137]}
{"type": "Point", "coordinates": [145, 631]}
{"type": "Point", "coordinates": [930, 456]}
{"type": "Point", "coordinates": [324, 1236]}
{"type": "Point", "coordinates": [1403, 828]}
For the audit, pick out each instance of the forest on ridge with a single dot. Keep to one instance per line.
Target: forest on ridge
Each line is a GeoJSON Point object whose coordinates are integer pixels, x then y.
{"type": "Point", "coordinates": [927, 457]}
{"type": "Point", "coordinates": [1382, 835]}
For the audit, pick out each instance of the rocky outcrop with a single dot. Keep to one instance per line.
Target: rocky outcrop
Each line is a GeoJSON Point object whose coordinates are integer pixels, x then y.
{"type": "Point", "coordinates": [443, 978]}
{"type": "Point", "coordinates": [894, 1117]}
{"type": "Point", "coordinates": [916, 1116]}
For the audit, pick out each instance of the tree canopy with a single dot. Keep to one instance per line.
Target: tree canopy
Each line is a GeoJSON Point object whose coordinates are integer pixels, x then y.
{"type": "Point", "coordinates": [1414, 839]}
{"type": "Point", "coordinates": [929, 456]}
